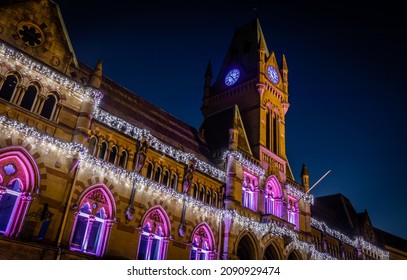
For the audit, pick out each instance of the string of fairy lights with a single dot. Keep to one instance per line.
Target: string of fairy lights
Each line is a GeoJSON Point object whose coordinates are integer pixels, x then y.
{"type": "Point", "coordinates": [16, 130]}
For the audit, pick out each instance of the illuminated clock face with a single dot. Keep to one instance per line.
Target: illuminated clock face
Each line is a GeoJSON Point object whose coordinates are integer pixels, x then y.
{"type": "Point", "coordinates": [273, 75]}
{"type": "Point", "coordinates": [232, 76]}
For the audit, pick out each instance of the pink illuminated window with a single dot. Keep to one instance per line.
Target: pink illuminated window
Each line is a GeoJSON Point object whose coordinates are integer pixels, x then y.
{"type": "Point", "coordinates": [202, 243]}
{"type": "Point", "coordinates": [18, 179]}
{"type": "Point", "coordinates": [273, 197]}
{"type": "Point", "coordinates": [293, 212]}
{"type": "Point", "coordinates": [93, 222]}
{"type": "Point", "coordinates": [153, 237]}
{"type": "Point", "coordinates": [249, 191]}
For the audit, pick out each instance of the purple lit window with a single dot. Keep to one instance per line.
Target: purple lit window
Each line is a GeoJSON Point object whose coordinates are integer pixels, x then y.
{"type": "Point", "coordinates": [153, 238]}
{"type": "Point", "coordinates": [18, 178]}
{"type": "Point", "coordinates": [202, 243]}
{"type": "Point", "coordinates": [249, 191]}
{"type": "Point", "coordinates": [91, 227]}
{"type": "Point", "coordinates": [273, 197]}
{"type": "Point", "coordinates": [293, 212]}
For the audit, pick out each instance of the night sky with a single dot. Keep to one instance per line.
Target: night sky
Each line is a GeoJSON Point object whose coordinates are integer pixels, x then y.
{"type": "Point", "coordinates": [346, 80]}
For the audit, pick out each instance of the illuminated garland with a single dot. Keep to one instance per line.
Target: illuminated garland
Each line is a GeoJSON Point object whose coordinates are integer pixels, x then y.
{"type": "Point", "coordinates": [293, 191]}
{"type": "Point", "coordinates": [356, 242]}
{"type": "Point", "coordinates": [18, 57]}
{"type": "Point", "coordinates": [36, 139]}
{"type": "Point", "coordinates": [243, 160]}
{"type": "Point", "coordinates": [137, 133]}
{"type": "Point", "coordinates": [11, 128]}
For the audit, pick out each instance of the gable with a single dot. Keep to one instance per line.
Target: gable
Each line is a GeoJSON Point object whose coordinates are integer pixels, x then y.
{"type": "Point", "coordinates": [37, 28]}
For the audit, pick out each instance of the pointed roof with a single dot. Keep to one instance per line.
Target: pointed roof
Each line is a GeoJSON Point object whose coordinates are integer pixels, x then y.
{"type": "Point", "coordinates": [243, 50]}
{"type": "Point", "coordinates": [304, 170]}
{"type": "Point", "coordinates": [45, 16]}
{"type": "Point", "coordinates": [96, 77]}
{"type": "Point", "coordinates": [216, 130]}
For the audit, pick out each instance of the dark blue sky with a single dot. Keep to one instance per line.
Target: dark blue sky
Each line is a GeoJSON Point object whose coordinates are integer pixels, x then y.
{"type": "Point", "coordinates": [346, 80]}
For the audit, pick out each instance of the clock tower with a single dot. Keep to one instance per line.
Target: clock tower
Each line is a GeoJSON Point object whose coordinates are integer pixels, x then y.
{"type": "Point", "coordinates": [252, 80]}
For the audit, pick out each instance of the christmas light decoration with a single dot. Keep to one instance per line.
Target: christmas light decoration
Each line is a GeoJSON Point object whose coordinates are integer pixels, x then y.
{"type": "Point", "coordinates": [11, 55]}
{"type": "Point", "coordinates": [14, 129]}
{"type": "Point", "coordinates": [137, 133]}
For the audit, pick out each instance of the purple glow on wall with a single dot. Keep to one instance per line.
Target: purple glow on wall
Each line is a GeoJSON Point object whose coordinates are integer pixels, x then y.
{"type": "Point", "coordinates": [19, 177]}
{"type": "Point", "coordinates": [93, 221]}
{"type": "Point", "coordinates": [154, 236]}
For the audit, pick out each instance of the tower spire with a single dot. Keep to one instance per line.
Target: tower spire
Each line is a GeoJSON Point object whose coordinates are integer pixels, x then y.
{"type": "Point", "coordinates": [96, 77]}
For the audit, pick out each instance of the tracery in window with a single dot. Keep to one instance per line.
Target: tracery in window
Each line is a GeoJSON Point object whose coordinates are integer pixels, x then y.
{"type": "Point", "coordinates": [153, 241]}
{"type": "Point", "coordinates": [202, 243]}
{"type": "Point", "coordinates": [273, 197]}
{"type": "Point", "coordinates": [249, 191]}
{"type": "Point", "coordinates": [18, 180]}
{"type": "Point", "coordinates": [92, 222]}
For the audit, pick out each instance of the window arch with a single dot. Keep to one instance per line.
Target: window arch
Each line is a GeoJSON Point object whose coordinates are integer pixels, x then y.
{"type": "Point", "coordinates": [93, 221]}
{"type": "Point", "coordinates": [174, 182]}
{"type": "Point", "coordinates": [113, 155]}
{"type": "Point", "coordinates": [196, 191]}
{"type": "Point", "coordinates": [19, 177]}
{"type": "Point", "coordinates": [150, 169]}
{"type": "Point", "coordinates": [48, 109]}
{"type": "Point", "coordinates": [202, 243]}
{"type": "Point", "coordinates": [202, 193]}
{"type": "Point", "coordinates": [273, 197]}
{"type": "Point", "coordinates": [92, 147]}
{"type": "Point", "coordinates": [103, 150]}
{"type": "Point", "coordinates": [123, 159]}
{"type": "Point", "coordinates": [154, 235]}
{"type": "Point", "coordinates": [8, 88]}
{"type": "Point", "coordinates": [157, 175]}
{"type": "Point", "coordinates": [208, 197]}
{"type": "Point", "coordinates": [293, 211]}
{"type": "Point", "coordinates": [249, 191]}
{"type": "Point", "coordinates": [215, 199]}
{"type": "Point", "coordinates": [29, 98]}
{"type": "Point", "coordinates": [166, 178]}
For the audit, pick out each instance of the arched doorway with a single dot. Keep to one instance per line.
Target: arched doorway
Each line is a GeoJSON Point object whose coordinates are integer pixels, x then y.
{"type": "Point", "coordinates": [245, 249]}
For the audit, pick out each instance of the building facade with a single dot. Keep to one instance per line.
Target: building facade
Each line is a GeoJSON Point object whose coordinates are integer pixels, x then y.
{"type": "Point", "coordinates": [90, 170]}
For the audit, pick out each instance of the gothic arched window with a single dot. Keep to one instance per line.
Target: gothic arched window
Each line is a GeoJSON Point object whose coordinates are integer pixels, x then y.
{"type": "Point", "coordinates": [93, 143]}
{"type": "Point", "coordinates": [30, 95]}
{"type": "Point", "coordinates": [18, 179]}
{"type": "Point", "coordinates": [48, 109]}
{"type": "Point", "coordinates": [273, 197]}
{"type": "Point", "coordinates": [150, 169]}
{"type": "Point", "coordinates": [174, 182]}
{"type": "Point", "coordinates": [93, 222]}
{"type": "Point", "coordinates": [154, 235]}
{"type": "Point", "coordinates": [103, 150]}
{"type": "Point", "coordinates": [8, 87]}
{"type": "Point", "coordinates": [157, 175]}
{"type": "Point", "coordinates": [249, 191]}
{"type": "Point", "coordinates": [166, 178]}
{"type": "Point", "coordinates": [123, 159]}
{"type": "Point", "coordinates": [113, 155]}
{"type": "Point", "coordinates": [202, 243]}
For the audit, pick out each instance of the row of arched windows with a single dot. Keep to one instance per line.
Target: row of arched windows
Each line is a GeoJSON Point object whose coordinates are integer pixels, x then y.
{"type": "Point", "coordinates": [95, 216]}
{"type": "Point", "coordinates": [29, 97]}
{"type": "Point", "coordinates": [272, 196]}
{"type": "Point", "coordinates": [206, 195]}
{"type": "Point", "coordinates": [100, 148]}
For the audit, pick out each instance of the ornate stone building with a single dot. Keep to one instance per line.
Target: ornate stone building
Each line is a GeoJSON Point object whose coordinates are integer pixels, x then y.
{"type": "Point", "coordinates": [90, 170]}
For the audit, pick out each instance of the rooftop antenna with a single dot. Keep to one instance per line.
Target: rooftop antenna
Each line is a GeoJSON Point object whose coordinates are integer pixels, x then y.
{"type": "Point", "coordinates": [313, 186]}
{"type": "Point", "coordinates": [318, 181]}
